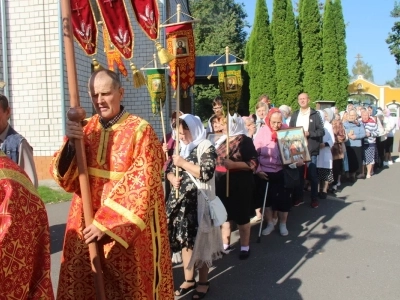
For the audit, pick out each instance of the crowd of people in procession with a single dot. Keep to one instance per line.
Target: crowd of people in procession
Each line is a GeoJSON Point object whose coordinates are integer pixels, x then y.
{"type": "Point", "coordinates": [236, 158]}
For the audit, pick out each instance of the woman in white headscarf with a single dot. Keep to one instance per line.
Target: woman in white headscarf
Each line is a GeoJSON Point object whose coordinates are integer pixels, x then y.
{"type": "Point", "coordinates": [241, 163]}
{"type": "Point", "coordinates": [325, 159]}
{"type": "Point", "coordinates": [189, 224]}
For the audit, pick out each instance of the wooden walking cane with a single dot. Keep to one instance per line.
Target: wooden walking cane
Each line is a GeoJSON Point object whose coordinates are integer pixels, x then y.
{"type": "Point", "coordinates": [77, 114]}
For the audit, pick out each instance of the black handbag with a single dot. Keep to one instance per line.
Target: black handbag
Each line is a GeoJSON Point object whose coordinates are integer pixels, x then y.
{"type": "Point", "coordinates": [291, 177]}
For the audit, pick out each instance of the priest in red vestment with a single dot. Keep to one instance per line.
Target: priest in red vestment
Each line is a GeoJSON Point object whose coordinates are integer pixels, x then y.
{"type": "Point", "coordinates": [124, 159]}
{"type": "Point", "coordinates": [24, 237]}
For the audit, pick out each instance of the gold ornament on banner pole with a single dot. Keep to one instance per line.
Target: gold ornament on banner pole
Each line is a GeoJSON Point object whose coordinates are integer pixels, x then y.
{"type": "Point", "coordinates": [230, 85]}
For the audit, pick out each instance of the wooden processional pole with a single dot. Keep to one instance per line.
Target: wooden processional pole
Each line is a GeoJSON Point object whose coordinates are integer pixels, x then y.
{"type": "Point", "coordinates": [178, 99]}
{"type": "Point", "coordinates": [227, 128]}
{"type": "Point", "coordinates": [77, 114]}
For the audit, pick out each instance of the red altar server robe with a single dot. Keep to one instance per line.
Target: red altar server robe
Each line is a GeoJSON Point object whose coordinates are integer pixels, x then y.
{"type": "Point", "coordinates": [24, 237]}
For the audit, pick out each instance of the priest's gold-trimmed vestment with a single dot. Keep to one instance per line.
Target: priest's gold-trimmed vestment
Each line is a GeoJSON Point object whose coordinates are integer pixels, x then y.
{"type": "Point", "coordinates": [124, 165]}
{"type": "Point", "coordinates": [24, 237]}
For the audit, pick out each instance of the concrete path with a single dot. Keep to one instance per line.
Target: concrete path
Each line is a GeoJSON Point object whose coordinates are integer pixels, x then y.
{"type": "Point", "coordinates": [348, 248]}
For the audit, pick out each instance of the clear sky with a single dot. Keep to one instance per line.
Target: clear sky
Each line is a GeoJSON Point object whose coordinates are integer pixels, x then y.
{"type": "Point", "coordinates": [368, 25]}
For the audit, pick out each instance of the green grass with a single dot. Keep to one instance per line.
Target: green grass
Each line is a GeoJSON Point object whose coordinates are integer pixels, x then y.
{"type": "Point", "coordinates": [50, 195]}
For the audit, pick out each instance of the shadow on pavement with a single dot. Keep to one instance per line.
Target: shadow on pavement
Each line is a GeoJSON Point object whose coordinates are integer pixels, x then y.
{"type": "Point", "coordinates": [57, 237]}
{"type": "Point", "coordinates": [270, 271]}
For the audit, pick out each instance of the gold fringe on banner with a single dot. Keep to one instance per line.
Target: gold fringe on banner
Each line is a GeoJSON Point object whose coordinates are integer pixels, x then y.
{"type": "Point", "coordinates": [138, 78]}
{"type": "Point", "coordinates": [163, 55]}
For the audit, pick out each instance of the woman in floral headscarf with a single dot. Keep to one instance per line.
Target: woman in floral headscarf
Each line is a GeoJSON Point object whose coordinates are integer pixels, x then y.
{"type": "Point", "coordinates": [241, 163]}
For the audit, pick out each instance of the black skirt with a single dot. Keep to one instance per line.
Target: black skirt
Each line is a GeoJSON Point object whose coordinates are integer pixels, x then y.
{"type": "Point", "coordinates": [241, 193]}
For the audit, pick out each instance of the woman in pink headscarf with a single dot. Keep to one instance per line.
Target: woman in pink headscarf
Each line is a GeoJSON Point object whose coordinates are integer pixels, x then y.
{"type": "Point", "coordinates": [270, 168]}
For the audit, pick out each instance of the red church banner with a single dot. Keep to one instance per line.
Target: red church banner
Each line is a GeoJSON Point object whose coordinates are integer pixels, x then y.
{"type": "Point", "coordinates": [84, 25]}
{"type": "Point", "coordinates": [147, 15]}
{"type": "Point", "coordinates": [180, 42]}
{"type": "Point", "coordinates": [116, 20]}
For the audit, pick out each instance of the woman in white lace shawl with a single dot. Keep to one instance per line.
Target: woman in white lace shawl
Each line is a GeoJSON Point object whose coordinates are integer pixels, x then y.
{"type": "Point", "coordinates": [189, 223]}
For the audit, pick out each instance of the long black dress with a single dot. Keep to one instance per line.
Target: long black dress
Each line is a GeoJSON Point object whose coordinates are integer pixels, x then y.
{"type": "Point", "coordinates": [182, 212]}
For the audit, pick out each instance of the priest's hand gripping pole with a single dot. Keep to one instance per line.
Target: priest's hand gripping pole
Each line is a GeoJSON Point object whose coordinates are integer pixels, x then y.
{"type": "Point", "coordinates": [76, 113]}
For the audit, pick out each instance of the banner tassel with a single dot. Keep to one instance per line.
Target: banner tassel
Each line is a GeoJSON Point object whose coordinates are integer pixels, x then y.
{"type": "Point", "coordinates": [138, 78]}
{"type": "Point", "coordinates": [96, 65]}
{"type": "Point", "coordinates": [163, 55]}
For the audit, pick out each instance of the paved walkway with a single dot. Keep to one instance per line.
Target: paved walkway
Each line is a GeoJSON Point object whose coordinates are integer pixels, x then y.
{"type": "Point", "coordinates": [348, 248]}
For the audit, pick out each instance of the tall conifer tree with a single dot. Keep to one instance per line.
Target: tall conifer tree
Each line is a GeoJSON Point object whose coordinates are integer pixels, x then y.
{"type": "Point", "coordinates": [311, 48]}
{"type": "Point", "coordinates": [286, 53]}
{"type": "Point", "coordinates": [336, 78]}
{"type": "Point", "coordinates": [343, 80]}
{"type": "Point", "coordinates": [329, 54]}
{"type": "Point", "coordinates": [260, 57]}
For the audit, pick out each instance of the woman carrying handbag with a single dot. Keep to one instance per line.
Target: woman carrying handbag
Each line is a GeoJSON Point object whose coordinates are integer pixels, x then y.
{"type": "Point", "coordinates": [189, 222]}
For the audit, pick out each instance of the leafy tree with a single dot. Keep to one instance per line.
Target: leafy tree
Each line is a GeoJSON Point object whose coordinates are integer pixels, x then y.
{"type": "Point", "coordinates": [260, 57]}
{"type": "Point", "coordinates": [362, 68]}
{"type": "Point", "coordinates": [311, 48]}
{"type": "Point", "coordinates": [222, 24]}
{"type": "Point", "coordinates": [286, 53]}
{"type": "Point", "coordinates": [396, 81]}
{"type": "Point", "coordinates": [335, 74]}
{"type": "Point", "coordinates": [393, 39]}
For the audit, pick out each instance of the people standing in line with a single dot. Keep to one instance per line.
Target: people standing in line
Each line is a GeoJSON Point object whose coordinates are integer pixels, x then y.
{"type": "Point", "coordinates": [259, 116]}
{"type": "Point", "coordinates": [241, 162]}
{"type": "Point", "coordinates": [265, 99]}
{"type": "Point", "coordinates": [124, 162]}
{"type": "Point", "coordinates": [391, 124]}
{"type": "Point", "coordinates": [310, 120]}
{"type": "Point", "coordinates": [369, 143]}
{"type": "Point", "coordinates": [189, 225]}
{"type": "Point", "coordinates": [324, 158]}
{"type": "Point", "coordinates": [169, 148]}
{"type": "Point", "coordinates": [338, 152]}
{"type": "Point", "coordinates": [218, 115]}
{"type": "Point", "coordinates": [356, 133]}
{"type": "Point", "coordinates": [270, 169]}
{"type": "Point", "coordinates": [250, 126]}
{"type": "Point", "coordinates": [14, 145]}
{"type": "Point", "coordinates": [381, 138]}
{"type": "Point", "coordinates": [286, 113]}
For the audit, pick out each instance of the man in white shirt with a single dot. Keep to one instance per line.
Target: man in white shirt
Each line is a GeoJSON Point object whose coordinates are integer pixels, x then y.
{"type": "Point", "coordinates": [311, 122]}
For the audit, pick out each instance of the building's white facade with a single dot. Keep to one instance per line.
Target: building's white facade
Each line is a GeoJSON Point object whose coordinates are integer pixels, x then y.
{"type": "Point", "coordinates": [36, 78]}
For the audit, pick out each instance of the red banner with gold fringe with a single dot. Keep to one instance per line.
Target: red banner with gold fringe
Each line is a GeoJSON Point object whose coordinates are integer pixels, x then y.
{"type": "Point", "coordinates": [147, 15]}
{"type": "Point", "coordinates": [84, 25]}
{"type": "Point", "coordinates": [113, 56]}
{"type": "Point", "coordinates": [116, 21]}
{"type": "Point", "coordinates": [180, 42]}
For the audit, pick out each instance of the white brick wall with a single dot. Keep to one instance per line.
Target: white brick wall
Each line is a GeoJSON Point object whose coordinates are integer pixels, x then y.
{"type": "Point", "coordinates": [34, 73]}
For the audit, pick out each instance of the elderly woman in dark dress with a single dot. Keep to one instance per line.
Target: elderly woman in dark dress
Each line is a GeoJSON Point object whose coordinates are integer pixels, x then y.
{"type": "Point", "coordinates": [184, 221]}
{"type": "Point", "coordinates": [241, 163]}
